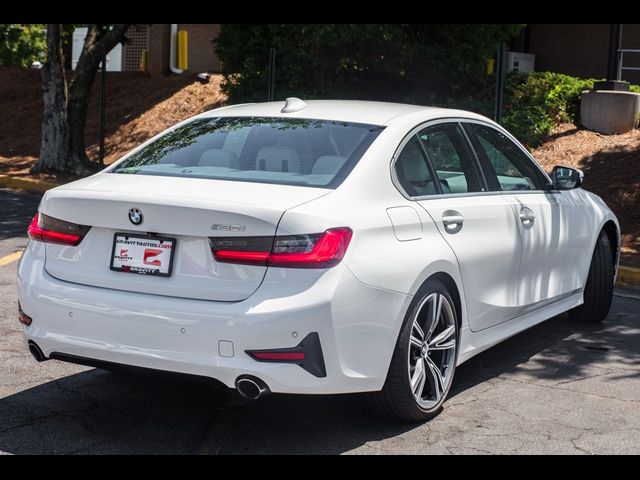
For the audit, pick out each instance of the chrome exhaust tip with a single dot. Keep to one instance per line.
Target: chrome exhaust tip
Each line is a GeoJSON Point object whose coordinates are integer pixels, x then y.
{"type": "Point", "coordinates": [36, 352]}
{"type": "Point", "coordinates": [251, 388]}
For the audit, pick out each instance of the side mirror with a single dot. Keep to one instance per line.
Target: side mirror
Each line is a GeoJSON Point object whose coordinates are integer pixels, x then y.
{"type": "Point", "coordinates": [566, 178]}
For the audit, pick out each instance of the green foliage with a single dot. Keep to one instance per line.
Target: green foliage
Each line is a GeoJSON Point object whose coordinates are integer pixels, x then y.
{"type": "Point", "coordinates": [22, 44]}
{"type": "Point", "coordinates": [536, 103]}
{"type": "Point", "coordinates": [393, 62]}
{"type": "Point", "coordinates": [440, 65]}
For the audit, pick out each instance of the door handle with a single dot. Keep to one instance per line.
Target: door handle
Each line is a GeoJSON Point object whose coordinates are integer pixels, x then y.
{"type": "Point", "coordinates": [452, 221]}
{"type": "Point", "coordinates": [527, 217]}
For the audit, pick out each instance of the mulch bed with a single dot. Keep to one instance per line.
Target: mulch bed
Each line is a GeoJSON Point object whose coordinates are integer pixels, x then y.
{"type": "Point", "coordinates": [138, 107]}
{"type": "Point", "coordinates": [611, 166]}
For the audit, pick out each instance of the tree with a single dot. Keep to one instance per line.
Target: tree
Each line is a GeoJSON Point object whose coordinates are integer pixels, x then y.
{"type": "Point", "coordinates": [394, 62]}
{"type": "Point", "coordinates": [21, 44]}
{"type": "Point", "coordinates": [65, 106]}
{"type": "Point", "coordinates": [54, 151]}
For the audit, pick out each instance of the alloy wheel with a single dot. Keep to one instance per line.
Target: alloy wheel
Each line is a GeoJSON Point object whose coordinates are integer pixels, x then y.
{"type": "Point", "coordinates": [432, 350]}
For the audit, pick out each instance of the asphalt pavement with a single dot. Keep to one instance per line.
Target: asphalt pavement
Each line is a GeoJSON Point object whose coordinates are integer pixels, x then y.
{"type": "Point", "coordinates": [560, 387]}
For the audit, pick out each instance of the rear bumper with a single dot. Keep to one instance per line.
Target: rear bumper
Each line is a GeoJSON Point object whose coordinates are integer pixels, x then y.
{"type": "Point", "coordinates": [357, 326]}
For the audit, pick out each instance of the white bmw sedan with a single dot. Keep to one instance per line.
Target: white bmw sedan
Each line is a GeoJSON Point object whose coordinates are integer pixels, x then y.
{"type": "Point", "coordinates": [313, 248]}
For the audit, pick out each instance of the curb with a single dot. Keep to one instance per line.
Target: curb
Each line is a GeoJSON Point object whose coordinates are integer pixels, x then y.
{"type": "Point", "coordinates": [26, 184]}
{"type": "Point", "coordinates": [628, 277]}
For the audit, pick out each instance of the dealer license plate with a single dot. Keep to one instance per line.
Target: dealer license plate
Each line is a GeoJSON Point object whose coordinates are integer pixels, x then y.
{"type": "Point", "coordinates": [145, 255]}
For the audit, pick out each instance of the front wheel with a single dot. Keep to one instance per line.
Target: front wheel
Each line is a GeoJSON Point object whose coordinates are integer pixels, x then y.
{"type": "Point", "coordinates": [598, 291]}
{"type": "Point", "coordinates": [424, 360]}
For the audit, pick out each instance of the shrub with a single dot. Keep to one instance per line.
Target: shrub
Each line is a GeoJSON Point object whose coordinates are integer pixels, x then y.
{"type": "Point", "coordinates": [537, 102]}
{"type": "Point", "coordinates": [392, 62]}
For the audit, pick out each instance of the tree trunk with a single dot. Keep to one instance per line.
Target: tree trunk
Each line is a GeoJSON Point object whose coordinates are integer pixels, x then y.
{"type": "Point", "coordinates": [65, 115]}
{"type": "Point", "coordinates": [79, 93]}
{"type": "Point", "coordinates": [54, 150]}
{"type": "Point", "coordinates": [97, 42]}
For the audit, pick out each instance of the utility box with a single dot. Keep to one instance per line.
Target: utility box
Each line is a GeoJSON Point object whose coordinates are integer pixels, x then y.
{"type": "Point", "coordinates": [114, 57]}
{"type": "Point", "coordinates": [519, 62]}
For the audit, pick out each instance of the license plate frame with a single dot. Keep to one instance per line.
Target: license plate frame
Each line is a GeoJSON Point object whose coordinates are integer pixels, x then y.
{"type": "Point", "coordinates": [155, 241]}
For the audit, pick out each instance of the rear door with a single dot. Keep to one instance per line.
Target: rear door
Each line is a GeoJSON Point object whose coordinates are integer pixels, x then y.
{"type": "Point", "coordinates": [438, 169]}
{"type": "Point", "coordinates": [552, 240]}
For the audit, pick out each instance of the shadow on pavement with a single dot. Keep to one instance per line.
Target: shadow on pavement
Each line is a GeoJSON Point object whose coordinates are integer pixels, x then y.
{"type": "Point", "coordinates": [98, 412]}
{"type": "Point", "coordinates": [564, 349]}
{"type": "Point", "coordinates": [16, 211]}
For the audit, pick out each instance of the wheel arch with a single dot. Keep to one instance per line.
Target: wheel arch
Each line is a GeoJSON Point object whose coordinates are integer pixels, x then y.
{"type": "Point", "coordinates": [391, 400]}
{"type": "Point", "coordinates": [452, 287]}
{"type": "Point", "coordinates": [611, 229]}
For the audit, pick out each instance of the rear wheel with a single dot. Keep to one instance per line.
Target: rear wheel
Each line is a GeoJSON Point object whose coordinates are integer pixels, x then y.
{"type": "Point", "coordinates": [598, 291]}
{"type": "Point", "coordinates": [424, 361]}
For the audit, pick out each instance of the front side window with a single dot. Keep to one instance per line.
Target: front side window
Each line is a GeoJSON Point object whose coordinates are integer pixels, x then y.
{"type": "Point", "coordinates": [509, 167]}
{"type": "Point", "coordinates": [452, 158]}
{"type": "Point", "coordinates": [285, 151]}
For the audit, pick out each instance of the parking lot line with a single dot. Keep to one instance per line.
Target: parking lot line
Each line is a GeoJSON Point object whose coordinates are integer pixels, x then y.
{"type": "Point", "coordinates": [12, 257]}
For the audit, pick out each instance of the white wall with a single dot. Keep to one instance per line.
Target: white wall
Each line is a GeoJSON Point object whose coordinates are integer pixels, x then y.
{"type": "Point", "coordinates": [114, 57]}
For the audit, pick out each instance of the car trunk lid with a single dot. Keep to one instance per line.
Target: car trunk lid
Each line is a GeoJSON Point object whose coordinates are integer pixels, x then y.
{"type": "Point", "coordinates": [189, 210]}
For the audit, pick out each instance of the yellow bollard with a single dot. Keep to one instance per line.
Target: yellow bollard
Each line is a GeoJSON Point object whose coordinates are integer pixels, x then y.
{"type": "Point", "coordinates": [491, 63]}
{"type": "Point", "coordinates": [183, 50]}
{"type": "Point", "coordinates": [144, 60]}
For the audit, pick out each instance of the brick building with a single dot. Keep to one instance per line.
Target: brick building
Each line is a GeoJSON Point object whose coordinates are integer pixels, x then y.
{"type": "Point", "coordinates": [574, 49]}
{"type": "Point", "coordinates": [155, 39]}
{"type": "Point", "coordinates": [579, 50]}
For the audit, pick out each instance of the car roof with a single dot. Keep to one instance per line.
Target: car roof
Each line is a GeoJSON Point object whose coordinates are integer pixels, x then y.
{"type": "Point", "coordinates": [356, 111]}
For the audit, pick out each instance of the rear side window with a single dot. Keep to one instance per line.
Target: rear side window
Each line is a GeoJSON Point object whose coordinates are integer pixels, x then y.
{"type": "Point", "coordinates": [267, 150]}
{"type": "Point", "coordinates": [510, 168]}
{"type": "Point", "coordinates": [413, 172]}
{"type": "Point", "coordinates": [452, 158]}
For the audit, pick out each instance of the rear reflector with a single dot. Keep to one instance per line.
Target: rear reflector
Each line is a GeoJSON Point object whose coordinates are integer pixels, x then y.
{"type": "Point", "coordinates": [318, 250]}
{"type": "Point", "coordinates": [283, 356]}
{"type": "Point", "coordinates": [307, 354]}
{"type": "Point", "coordinates": [51, 230]}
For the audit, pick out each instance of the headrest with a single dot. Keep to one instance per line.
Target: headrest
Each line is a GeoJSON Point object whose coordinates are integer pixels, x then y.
{"type": "Point", "coordinates": [414, 166]}
{"type": "Point", "coordinates": [328, 165]}
{"type": "Point", "coordinates": [217, 157]}
{"type": "Point", "coordinates": [278, 159]}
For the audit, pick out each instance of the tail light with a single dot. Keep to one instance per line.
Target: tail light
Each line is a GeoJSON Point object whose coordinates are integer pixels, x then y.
{"type": "Point", "coordinates": [318, 250]}
{"type": "Point", "coordinates": [44, 228]}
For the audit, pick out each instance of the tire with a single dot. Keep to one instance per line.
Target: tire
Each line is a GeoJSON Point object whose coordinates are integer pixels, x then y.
{"type": "Point", "coordinates": [598, 291]}
{"type": "Point", "coordinates": [438, 349]}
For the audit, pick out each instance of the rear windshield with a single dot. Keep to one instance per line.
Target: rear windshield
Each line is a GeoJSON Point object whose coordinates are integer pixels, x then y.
{"type": "Point", "coordinates": [305, 152]}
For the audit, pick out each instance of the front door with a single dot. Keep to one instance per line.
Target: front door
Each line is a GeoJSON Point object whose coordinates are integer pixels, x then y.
{"type": "Point", "coordinates": [551, 246]}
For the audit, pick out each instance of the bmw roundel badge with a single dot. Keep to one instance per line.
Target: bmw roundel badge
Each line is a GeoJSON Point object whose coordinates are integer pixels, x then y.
{"type": "Point", "coordinates": [135, 216]}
